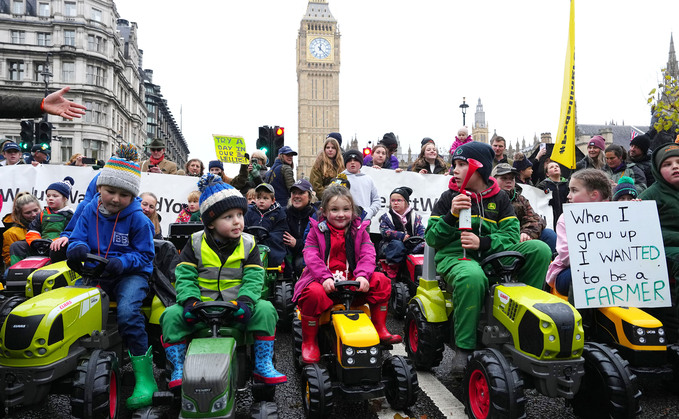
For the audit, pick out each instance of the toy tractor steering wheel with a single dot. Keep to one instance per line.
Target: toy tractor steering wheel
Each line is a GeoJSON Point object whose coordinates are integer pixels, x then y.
{"type": "Point", "coordinates": [347, 290]}
{"type": "Point", "coordinates": [214, 313]}
{"type": "Point", "coordinates": [411, 242]}
{"type": "Point", "coordinates": [41, 246]}
{"type": "Point", "coordinates": [93, 267]}
{"type": "Point", "coordinates": [494, 268]}
{"type": "Point", "coordinates": [259, 232]}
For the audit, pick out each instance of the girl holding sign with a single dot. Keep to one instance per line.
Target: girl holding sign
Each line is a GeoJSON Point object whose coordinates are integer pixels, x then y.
{"type": "Point", "coordinates": [587, 185]}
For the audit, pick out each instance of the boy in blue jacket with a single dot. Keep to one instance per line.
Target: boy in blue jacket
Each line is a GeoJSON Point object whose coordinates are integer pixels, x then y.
{"type": "Point", "coordinates": [268, 213]}
{"type": "Point", "coordinates": [113, 226]}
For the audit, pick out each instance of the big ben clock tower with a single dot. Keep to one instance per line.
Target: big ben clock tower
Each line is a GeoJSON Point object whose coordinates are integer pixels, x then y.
{"type": "Point", "coordinates": [318, 62]}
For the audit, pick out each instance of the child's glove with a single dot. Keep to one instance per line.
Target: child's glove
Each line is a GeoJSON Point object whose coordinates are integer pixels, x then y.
{"type": "Point", "coordinates": [114, 267]}
{"type": "Point", "coordinates": [189, 318]}
{"type": "Point", "coordinates": [244, 311]}
{"type": "Point", "coordinates": [77, 254]}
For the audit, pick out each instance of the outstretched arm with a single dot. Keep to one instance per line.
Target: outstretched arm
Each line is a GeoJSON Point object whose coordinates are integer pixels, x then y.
{"type": "Point", "coordinates": [56, 104]}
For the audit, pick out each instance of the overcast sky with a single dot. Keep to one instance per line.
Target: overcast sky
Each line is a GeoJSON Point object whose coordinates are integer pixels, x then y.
{"type": "Point", "coordinates": [405, 65]}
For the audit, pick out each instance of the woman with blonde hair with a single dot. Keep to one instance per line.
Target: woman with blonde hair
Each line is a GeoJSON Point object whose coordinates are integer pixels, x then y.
{"type": "Point", "coordinates": [149, 206]}
{"type": "Point", "coordinates": [26, 208]}
{"type": "Point", "coordinates": [429, 161]}
{"type": "Point", "coordinates": [327, 166]}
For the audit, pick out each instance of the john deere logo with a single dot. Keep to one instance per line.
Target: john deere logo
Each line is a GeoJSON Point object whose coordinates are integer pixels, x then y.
{"type": "Point", "coordinates": [458, 151]}
{"type": "Point", "coordinates": [492, 206]}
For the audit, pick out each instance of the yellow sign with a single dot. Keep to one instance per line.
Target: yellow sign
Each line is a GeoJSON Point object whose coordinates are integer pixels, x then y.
{"type": "Point", "coordinates": [230, 149]}
{"type": "Point", "coordinates": [564, 148]}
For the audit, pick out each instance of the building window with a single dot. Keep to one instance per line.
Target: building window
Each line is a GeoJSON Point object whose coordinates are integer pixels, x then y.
{"type": "Point", "coordinates": [95, 113]}
{"type": "Point", "coordinates": [96, 75]}
{"type": "Point", "coordinates": [18, 37]}
{"type": "Point", "coordinates": [16, 70]}
{"type": "Point", "coordinates": [69, 9]}
{"type": "Point", "coordinates": [69, 37]}
{"type": "Point", "coordinates": [18, 7]}
{"type": "Point", "coordinates": [38, 68]}
{"type": "Point", "coordinates": [94, 149]}
{"type": "Point", "coordinates": [44, 39]}
{"type": "Point", "coordinates": [66, 149]}
{"type": "Point", "coordinates": [44, 9]}
{"type": "Point", "coordinates": [68, 72]}
{"type": "Point", "coordinates": [96, 43]}
{"type": "Point", "coordinates": [96, 15]}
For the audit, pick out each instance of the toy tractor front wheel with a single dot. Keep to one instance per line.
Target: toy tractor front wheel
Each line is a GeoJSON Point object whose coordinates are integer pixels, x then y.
{"type": "Point", "coordinates": [400, 379]}
{"type": "Point", "coordinates": [96, 388]}
{"type": "Point", "coordinates": [317, 391]}
{"type": "Point", "coordinates": [264, 410]}
{"type": "Point", "coordinates": [282, 300]}
{"type": "Point", "coordinates": [424, 340]}
{"type": "Point", "coordinates": [8, 304]}
{"type": "Point", "coordinates": [608, 388]}
{"type": "Point", "coordinates": [492, 387]}
{"type": "Point", "coordinates": [400, 294]}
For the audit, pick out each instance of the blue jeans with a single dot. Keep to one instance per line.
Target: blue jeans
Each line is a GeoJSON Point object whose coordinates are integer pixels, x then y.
{"type": "Point", "coordinates": [563, 281]}
{"type": "Point", "coordinates": [549, 236]}
{"type": "Point", "coordinates": [129, 291]}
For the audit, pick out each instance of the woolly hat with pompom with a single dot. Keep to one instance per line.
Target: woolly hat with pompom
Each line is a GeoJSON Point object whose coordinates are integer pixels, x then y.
{"type": "Point", "coordinates": [217, 197]}
{"type": "Point", "coordinates": [625, 186]}
{"type": "Point", "coordinates": [63, 187]}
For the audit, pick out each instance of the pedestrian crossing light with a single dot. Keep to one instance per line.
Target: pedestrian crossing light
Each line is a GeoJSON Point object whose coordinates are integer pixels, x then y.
{"type": "Point", "coordinates": [265, 142]}
{"type": "Point", "coordinates": [278, 139]}
{"type": "Point", "coordinates": [43, 134]}
{"type": "Point", "coordinates": [27, 135]}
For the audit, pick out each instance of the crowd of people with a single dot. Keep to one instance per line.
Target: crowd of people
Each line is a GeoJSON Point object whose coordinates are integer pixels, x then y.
{"type": "Point", "coordinates": [319, 230]}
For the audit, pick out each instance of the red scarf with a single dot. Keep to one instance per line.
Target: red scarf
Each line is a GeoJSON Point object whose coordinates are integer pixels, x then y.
{"type": "Point", "coordinates": [337, 257]}
{"type": "Point", "coordinates": [156, 162]}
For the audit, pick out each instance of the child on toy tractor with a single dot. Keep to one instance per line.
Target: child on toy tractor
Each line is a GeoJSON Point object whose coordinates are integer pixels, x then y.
{"type": "Point", "coordinates": [495, 228]}
{"type": "Point", "coordinates": [112, 225]}
{"type": "Point", "coordinates": [267, 213]}
{"type": "Point", "coordinates": [338, 248]}
{"type": "Point", "coordinates": [221, 263]}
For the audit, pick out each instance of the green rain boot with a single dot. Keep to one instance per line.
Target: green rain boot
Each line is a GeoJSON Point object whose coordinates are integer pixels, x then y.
{"type": "Point", "coordinates": [144, 382]}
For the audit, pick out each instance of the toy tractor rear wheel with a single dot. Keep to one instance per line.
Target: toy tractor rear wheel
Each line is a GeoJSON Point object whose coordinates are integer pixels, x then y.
{"type": "Point", "coordinates": [492, 387]}
{"type": "Point", "coordinates": [424, 340]}
{"type": "Point", "coordinates": [96, 388]}
{"type": "Point", "coordinates": [400, 294]}
{"type": "Point", "coordinates": [608, 388]}
{"type": "Point", "coordinates": [297, 342]}
{"type": "Point", "coordinates": [264, 410]}
{"type": "Point", "coordinates": [283, 303]}
{"type": "Point", "coordinates": [400, 379]}
{"type": "Point", "coordinates": [316, 391]}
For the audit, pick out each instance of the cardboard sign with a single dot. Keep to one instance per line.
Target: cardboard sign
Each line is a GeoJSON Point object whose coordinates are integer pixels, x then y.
{"type": "Point", "coordinates": [230, 149]}
{"type": "Point", "coordinates": [617, 255]}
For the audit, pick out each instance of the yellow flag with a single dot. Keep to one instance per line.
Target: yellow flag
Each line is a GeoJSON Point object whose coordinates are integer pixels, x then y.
{"type": "Point", "coordinates": [564, 148]}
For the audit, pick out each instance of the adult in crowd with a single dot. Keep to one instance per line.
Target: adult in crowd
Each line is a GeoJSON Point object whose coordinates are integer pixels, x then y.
{"type": "Point", "coordinates": [595, 154]}
{"type": "Point", "coordinates": [149, 206]}
{"type": "Point", "coordinates": [194, 167]}
{"type": "Point", "coordinates": [38, 156]}
{"type": "Point", "coordinates": [329, 163]}
{"type": "Point", "coordinates": [531, 225]}
{"type": "Point", "coordinates": [216, 167]}
{"type": "Point", "coordinates": [12, 153]}
{"type": "Point", "coordinates": [281, 175]}
{"type": "Point", "coordinates": [616, 167]}
{"type": "Point", "coordinates": [391, 161]}
{"type": "Point", "coordinates": [499, 146]}
{"type": "Point", "coordinates": [462, 137]}
{"type": "Point", "coordinates": [524, 169]}
{"type": "Point", "coordinates": [638, 154]}
{"type": "Point", "coordinates": [540, 164]}
{"type": "Point", "coordinates": [13, 106]}
{"type": "Point", "coordinates": [157, 163]}
{"type": "Point", "coordinates": [250, 175]}
{"type": "Point", "coordinates": [429, 160]}
{"type": "Point", "coordinates": [559, 187]}
{"type": "Point", "coordinates": [300, 209]}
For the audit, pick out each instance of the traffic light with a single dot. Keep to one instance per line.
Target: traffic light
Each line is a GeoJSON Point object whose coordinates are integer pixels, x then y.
{"type": "Point", "coordinates": [265, 142]}
{"type": "Point", "coordinates": [278, 139]}
{"type": "Point", "coordinates": [27, 136]}
{"type": "Point", "coordinates": [366, 151]}
{"type": "Point", "coordinates": [43, 134]}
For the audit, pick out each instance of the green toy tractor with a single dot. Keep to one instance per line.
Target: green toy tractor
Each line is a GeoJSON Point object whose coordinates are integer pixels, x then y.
{"type": "Point", "coordinates": [529, 339]}
{"type": "Point", "coordinates": [352, 364]}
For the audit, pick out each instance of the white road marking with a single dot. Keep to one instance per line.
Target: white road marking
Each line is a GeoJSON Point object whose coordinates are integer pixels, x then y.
{"type": "Point", "coordinates": [444, 400]}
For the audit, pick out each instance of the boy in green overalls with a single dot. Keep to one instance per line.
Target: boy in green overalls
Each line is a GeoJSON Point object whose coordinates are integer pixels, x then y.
{"type": "Point", "coordinates": [221, 263]}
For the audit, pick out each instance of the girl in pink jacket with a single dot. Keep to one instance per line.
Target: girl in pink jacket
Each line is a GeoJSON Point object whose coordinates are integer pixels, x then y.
{"type": "Point", "coordinates": [338, 248]}
{"type": "Point", "coordinates": [462, 137]}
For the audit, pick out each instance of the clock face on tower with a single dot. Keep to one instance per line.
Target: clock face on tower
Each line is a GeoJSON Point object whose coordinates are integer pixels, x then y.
{"type": "Point", "coordinates": [320, 48]}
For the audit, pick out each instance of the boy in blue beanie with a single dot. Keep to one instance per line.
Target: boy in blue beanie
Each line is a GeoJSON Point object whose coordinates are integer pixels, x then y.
{"type": "Point", "coordinates": [221, 263]}
{"type": "Point", "coordinates": [268, 213]}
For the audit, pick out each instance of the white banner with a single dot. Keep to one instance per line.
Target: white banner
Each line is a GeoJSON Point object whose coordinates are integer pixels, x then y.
{"type": "Point", "coordinates": [617, 254]}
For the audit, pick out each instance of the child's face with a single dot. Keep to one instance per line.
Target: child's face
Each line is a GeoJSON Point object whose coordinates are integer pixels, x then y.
{"type": "Point", "coordinates": [300, 199]}
{"type": "Point", "coordinates": [577, 192]}
{"type": "Point", "coordinates": [339, 212]}
{"type": "Point", "coordinates": [430, 152]}
{"type": "Point", "coordinates": [114, 199]}
{"type": "Point", "coordinates": [669, 170]}
{"type": "Point", "coordinates": [626, 197]}
{"type": "Point", "coordinates": [379, 156]}
{"type": "Point", "coordinates": [398, 203]}
{"type": "Point", "coordinates": [475, 183]}
{"type": "Point", "coordinates": [330, 151]}
{"type": "Point", "coordinates": [353, 166]}
{"type": "Point", "coordinates": [30, 211]}
{"type": "Point", "coordinates": [527, 173]}
{"type": "Point", "coordinates": [506, 182]}
{"type": "Point", "coordinates": [193, 206]}
{"type": "Point", "coordinates": [229, 225]}
{"type": "Point", "coordinates": [55, 200]}
{"type": "Point", "coordinates": [148, 205]}
{"type": "Point", "coordinates": [553, 170]}
{"type": "Point", "coordinates": [264, 201]}
{"type": "Point", "coordinates": [216, 171]}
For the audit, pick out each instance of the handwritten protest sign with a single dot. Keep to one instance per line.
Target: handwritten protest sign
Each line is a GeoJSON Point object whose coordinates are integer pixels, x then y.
{"type": "Point", "coordinates": [617, 255]}
{"type": "Point", "coordinates": [230, 149]}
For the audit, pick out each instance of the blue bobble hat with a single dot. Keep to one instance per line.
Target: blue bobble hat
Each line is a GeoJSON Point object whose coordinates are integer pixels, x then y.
{"type": "Point", "coordinates": [216, 163]}
{"type": "Point", "coordinates": [625, 186]}
{"type": "Point", "coordinates": [217, 197]}
{"type": "Point", "coordinates": [121, 173]}
{"type": "Point", "coordinates": [63, 187]}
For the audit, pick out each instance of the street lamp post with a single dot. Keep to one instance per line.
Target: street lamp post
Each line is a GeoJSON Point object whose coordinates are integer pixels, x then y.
{"type": "Point", "coordinates": [464, 107]}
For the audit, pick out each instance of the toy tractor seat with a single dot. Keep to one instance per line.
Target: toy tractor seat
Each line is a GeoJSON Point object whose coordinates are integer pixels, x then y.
{"type": "Point", "coordinates": [162, 278]}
